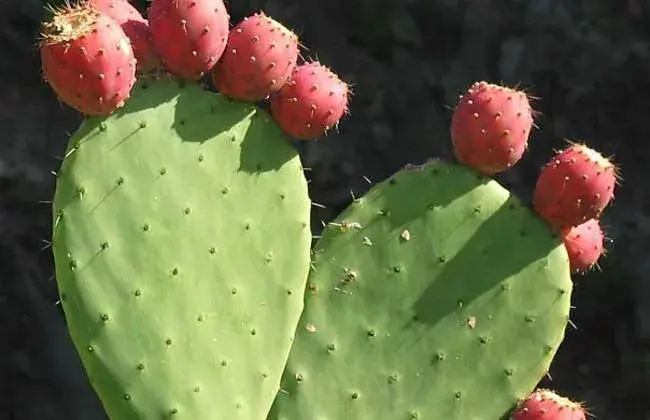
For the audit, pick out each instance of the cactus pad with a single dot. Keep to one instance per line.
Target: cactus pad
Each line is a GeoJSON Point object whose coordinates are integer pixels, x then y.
{"type": "Point", "coordinates": [181, 241]}
{"type": "Point", "coordinates": [436, 296]}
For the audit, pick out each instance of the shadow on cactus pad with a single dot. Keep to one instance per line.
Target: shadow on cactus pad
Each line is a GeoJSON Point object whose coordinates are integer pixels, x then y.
{"type": "Point", "coordinates": [202, 120]}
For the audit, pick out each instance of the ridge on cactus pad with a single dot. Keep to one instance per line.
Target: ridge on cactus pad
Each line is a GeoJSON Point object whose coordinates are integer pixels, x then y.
{"type": "Point", "coordinates": [436, 296]}
{"type": "Point", "coordinates": [181, 241]}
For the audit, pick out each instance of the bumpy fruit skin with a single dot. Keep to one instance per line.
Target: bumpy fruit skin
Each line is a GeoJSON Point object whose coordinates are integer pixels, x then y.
{"type": "Point", "coordinates": [260, 56]}
{"type": "Point", "coordinates": [135, 27]}
{"type": "Point", "coordinates": [544, 404]}
{"type": "Point", "coordinates": [490, 127]}
{"type": "Point", "coordinates": [584, 244]}
{"type": "Point", "coordinates": [313, 101]}
{"type": "Point", "coordinates": [575, 186]}
{"type": "Point", "coordinates": [87, 60]}
{"type": "Point", "coordinates": [189, 36]}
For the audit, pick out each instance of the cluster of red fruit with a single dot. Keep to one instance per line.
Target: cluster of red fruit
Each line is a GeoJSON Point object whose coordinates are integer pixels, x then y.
{"type": "Point", "coordinates": [490, 129]}
{"type": "Point", "coordinates": [92, 52]}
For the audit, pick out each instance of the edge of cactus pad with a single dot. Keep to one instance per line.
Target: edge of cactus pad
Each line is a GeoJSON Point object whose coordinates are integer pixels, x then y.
{"type": "Point", "coordinates": [436, 296]}
{"type": "Point", "coordinates": [181, 241]}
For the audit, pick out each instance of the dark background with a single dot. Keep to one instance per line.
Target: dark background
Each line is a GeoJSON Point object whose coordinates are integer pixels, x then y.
{"type": "Point", "coordinates": [587, 61]}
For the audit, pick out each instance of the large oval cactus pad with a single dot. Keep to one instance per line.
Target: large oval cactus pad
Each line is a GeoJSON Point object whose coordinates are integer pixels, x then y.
{"type": "Point", "coordinates": [437, 296]}
{"type": "Point", "coordinates": [181, 241]}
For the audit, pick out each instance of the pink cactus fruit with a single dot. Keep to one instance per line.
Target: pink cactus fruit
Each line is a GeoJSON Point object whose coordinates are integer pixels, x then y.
{"type": "Point", "coordinates": [260, 56]}
{"type": "Point", "coordinates": [87, 59]}
{"type": "Point", "coordinates": [584, 244]}
{"type": "Point", "coordinates": [544, 404]}
{"type": "Point", "coordinates": [574, 186]}
{"type": "Point", "coordinates": [189, 36]}
{"type": "Point", "coordinates": [490, 127]}
{"type": "Point", "coordinates": [313, 101]}
{"type": "Point", "coordinates": [135, 27]}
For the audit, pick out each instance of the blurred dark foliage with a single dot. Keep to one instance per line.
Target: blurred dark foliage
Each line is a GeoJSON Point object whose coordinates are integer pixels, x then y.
{"type": "Point", "coordinates": [588, 62]}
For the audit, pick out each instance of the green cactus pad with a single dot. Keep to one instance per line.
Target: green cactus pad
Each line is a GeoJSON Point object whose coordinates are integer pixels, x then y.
{"type": "Point", "coordinates": [181, 241]}
{"type": "Point", "coordinates": [437, 296]}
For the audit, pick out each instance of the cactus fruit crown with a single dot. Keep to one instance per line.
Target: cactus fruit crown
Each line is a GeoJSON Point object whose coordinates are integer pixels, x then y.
{"type": "Point", "coordinates": [596, 157]}
{"type": "Point", "coordinates": [275, 25]}
{"type": "Point", "coordinates": [69, 23]}
{"type": "Point", "coordinates": [545, 394]}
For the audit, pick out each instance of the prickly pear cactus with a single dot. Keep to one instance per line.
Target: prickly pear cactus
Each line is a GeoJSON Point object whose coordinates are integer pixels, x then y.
{"type": "Point", "coordinates": [436, 296]}
{"type": "Point", "coordinates": [181, 241]}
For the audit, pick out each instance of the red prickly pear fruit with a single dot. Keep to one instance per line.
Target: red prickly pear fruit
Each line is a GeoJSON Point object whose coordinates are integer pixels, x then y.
{"type": "Point", "coordinates": [490, 127]}
{"type": "Point", "coordinates": [584, 244]}
{"type": "Point", "coordinates": [575, 186]}
{"type": "Point", "coordinates": [544, 404]}
{"type": "Point", "coordinates": [311, 102]}
{"type": "Point", "coordinates": [135, 27]}
{"type": "Point", "coordinates": [189, 36]}
{"type": "Point", "coordinates": [260, 56]}
{"type": "Point", "coordinates": [87, 59]}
